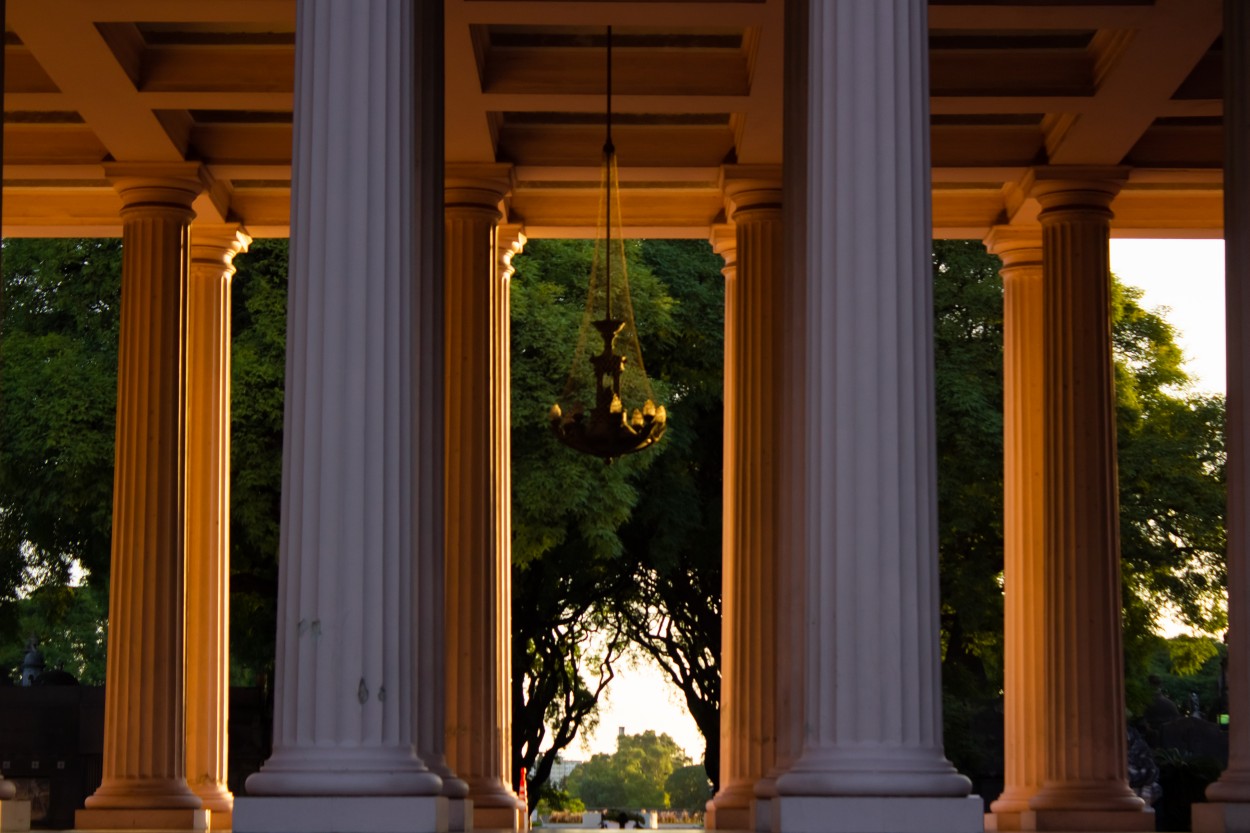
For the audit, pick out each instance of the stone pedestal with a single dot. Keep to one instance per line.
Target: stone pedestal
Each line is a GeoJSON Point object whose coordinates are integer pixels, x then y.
{"type": "Point", "coordinates": [1230, 795]}
{"type": "Point", "coordinates": [872, 705]}
{"type": "Point", "coordinates": [1023, 577]}
{"type": "Point", "coordinates": [753, 334]}
{"type": "Point", "coordinates": [144, 783]}
{"type": "Point", "coordinates": [208, 515]}
{"type": "Point", "coordinates": [14, 815]}
{"type": "Point", "coordinates": [1085, 779]}
{"type": "Point", "coordinates": [365, 177]}
{"type": "Point", "coordinates": [478, 496]}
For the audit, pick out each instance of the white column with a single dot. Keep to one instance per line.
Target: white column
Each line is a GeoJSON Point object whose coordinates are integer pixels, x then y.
{"type": "Point", "coordinates": [1229, 810]}
{"type": "Point", "coordinates": [144, 781]}
{"type": "Point", "coordinates": [208, 514]}
{"type": "Point", "coordinates": [1024, 712]}
{"type": "Point", "coordinates": [872, 751]}
{"type": "Point", "coordinates": [753, 335]}
{"type": "Point", "coordinates": [1085, 784]}
{"type": "Point", "coordinates": [356, 424]}
{"type": "Point", "coordinates": [478, 497]}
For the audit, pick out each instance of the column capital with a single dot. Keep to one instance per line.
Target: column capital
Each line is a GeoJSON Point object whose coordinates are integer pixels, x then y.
{"type": "Point", "coordinates": [510, 241]}
{"type": "Point", "coordinates": [213, 248]}
{"type": "Point", "coordinates": [724, 240]}
{"type": "Point", "coordinates": [483, 187]}
{"type": "Point", "coordinates": [1062, 188]}
{"type": "Point", "coordinates": [1015, 245]}
{"type": "Point", "coordinates": [173, 185]}
{"type": "Point", "coordinates": [750, 188]}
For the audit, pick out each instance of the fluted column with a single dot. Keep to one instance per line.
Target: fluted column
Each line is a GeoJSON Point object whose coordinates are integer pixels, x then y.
{"type": "Point", "coordinates": [1020, 250]}
{"type": "Point", "coordinates": [1229, 810]}
{"type": "Point", "coordinates": [753, 332]}
{"type": "Point", "coordinates": [1085, 784]}
{"type": "Point", "coordinates": [144, 782]}
{"type": "Point", "coordinates": [365, 175]}
{"type": "Point", "coordinates": [873, 742]}
{"type": "Point", "coordinates": [208, 514]}
{"type": "Point", "coordinates": [478, 497]}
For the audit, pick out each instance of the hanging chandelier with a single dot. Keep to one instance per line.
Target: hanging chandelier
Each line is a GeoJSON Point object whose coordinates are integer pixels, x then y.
{"type": "Point", "coordinates": [609, 378]}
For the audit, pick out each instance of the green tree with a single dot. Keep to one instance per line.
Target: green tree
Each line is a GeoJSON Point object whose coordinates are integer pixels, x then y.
{"type": "Point", "coordinates": [586, 573]}
{"type": "Point", "coordinates": [58, 390]}
{"type": "Point", "coordinates": [688, 788]}
{"type": "Point", "coordinates": [258, 366]}
{"type": "Point", "coordinates": [632, 777]}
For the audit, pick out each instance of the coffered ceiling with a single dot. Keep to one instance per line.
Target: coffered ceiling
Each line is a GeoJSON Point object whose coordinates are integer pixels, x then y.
{"type": "Point", "coordinates": [697, 85]}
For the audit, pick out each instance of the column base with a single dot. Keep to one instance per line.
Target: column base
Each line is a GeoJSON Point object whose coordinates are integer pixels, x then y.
{"type": "Point", "coordinates": [14, 816]}
{"type": "Point", "coordinates": [459, 815]}
{"type": "Point", "coordinates": [1221, 817]}
{"type": "Point", "coordinates": [506, 819]}
{"type": "Point", "coordinates": [877, 814]}
{"type": "Point", "coordinates": [1002, 821]}
{"type": "Point", "coordinates": [728, 818]}
{"type": "Point", "coordinates": [1105, 821]}
{"type": "Point", "coordinates": [762, 814]}
{"type": "Point", "coordinates": [220, 819]}
{"type": "Point", "coordinates": [133, 818]}
{"type": "Point", "coordinates": [341, 814]}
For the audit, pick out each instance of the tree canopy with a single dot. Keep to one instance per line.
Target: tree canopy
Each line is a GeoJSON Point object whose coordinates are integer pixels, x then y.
{"type": "Point", "coordinates": [630, 551]}
{"type": "Point", "coordinates": [632, 777]}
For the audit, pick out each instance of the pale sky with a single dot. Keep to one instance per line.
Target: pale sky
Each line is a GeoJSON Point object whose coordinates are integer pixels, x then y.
{"type": "Point", "coordinates": [1186, 276]}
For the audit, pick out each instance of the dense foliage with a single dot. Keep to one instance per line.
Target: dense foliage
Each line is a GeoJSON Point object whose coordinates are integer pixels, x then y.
{"type": "Point", "coordinates": [632, 777]}
{"type": "Point", "coordinates": [629, 552]}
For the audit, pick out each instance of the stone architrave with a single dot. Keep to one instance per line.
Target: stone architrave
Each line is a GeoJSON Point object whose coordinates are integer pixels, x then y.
{"type": "Point", "coordinates": [1229, 797]}
{"type": "Point", "coordinates": [1085, 782]}
{"type": "Point", "coordinates": [144, 783]}
{"type": "Point", "coordinates": [753, 334]}
{"type": "Point", "coordinates": [478, 500]}
{"type": "Point", "coordinates": [208, 514]}
{"type": "Point", "coordinates": [872, 757]}
{"type": "Point", "coordinates": [366, 176]}
{"type": "Point", "coordinates": [873, 707]}
{"type": "Point", "coordinates": [1020, 250]}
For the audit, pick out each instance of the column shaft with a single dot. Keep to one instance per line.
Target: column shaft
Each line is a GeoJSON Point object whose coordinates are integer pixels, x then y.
{"type": "Point", "coordinates": [478, 499]}
{"type": "Point", "coordinates": [208, 514]}
{"type": "Point", "coordinates": [1232, 790]}
{"type": "Point", "coordinates": [144, 781]}
{"type": "Point", "coordinates": [1086, 762]}
{"type": "Point", "coordinates": [753, 332]}
{"type": "Point", "coordinates": [348, 596]}
{"type": "Point", "coordinates": [1023, 577]}
{"type": "Point", "coordinates": [791, 541]}
{"type": "Point", "coordinates": [873, 740]}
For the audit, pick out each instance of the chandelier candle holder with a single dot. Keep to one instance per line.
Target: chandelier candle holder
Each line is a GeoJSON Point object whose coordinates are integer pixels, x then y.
{"type": "Point", "coordinates": [609, 378]}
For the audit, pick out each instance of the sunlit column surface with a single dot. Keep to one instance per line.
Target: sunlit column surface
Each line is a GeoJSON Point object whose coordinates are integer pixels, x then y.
{"type": "Point", "coordinates": [1085, 783]}
{"type": "Point", "coordinates": [1230, 795]}
{"type": "Point", "coordinates": [208, 514]}
{"type": "Point", "coordinates": [478, 499]}
{"type": "Point", "coordinates": [753, 332]}
{"type": "Point", "coordinates": [366, 177]}
{"type": "Point", "coordinates": [1023, 658]}
{"type": "Point", "coordinates": [872, 751]}
{"type": "Point", "coordinates": [144, 783]}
